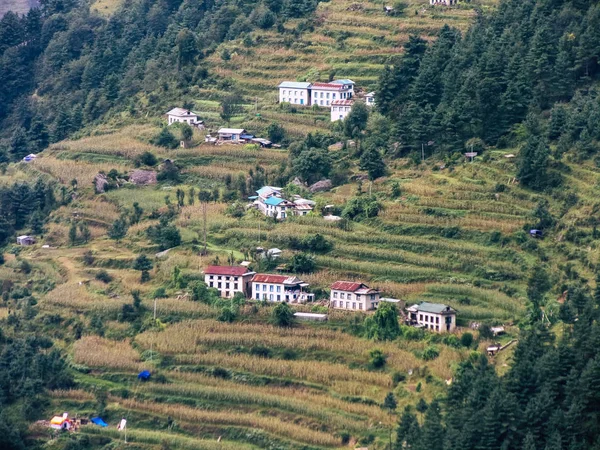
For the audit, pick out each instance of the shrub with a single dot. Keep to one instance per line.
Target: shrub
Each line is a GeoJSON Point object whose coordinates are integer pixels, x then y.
{"type": "Point", "coordinates": [103, 276]}
{"type": "Point", "coordinates": [378, 359]}
{"type": "Point", "coordinates": [466, 340]}
{"type": "Point", "coordinates": [302, 263]}
{"type": "Point", "coordinates": [430, 353]}
{"type": "Point", "coordinates": [165, 139]}
{"type": "Point", "coordinates": [146, 159]}
{"type": "Point", "coordinates": [283, 315]}
{"type": "Point", "coordinates": [160, 292]}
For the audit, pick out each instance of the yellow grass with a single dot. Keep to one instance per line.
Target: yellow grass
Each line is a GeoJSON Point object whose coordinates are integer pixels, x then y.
{"type": "Point", "coordinates": [95, 351]}
{"type": "Point", "coordinates": [65, 171]}
{"type": "Point", "coordinates": [76, 297]}
{"type": "Point", "coordinates": [232, 417]}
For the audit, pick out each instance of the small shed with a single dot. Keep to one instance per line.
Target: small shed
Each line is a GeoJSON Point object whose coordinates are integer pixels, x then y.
{"type": "Point", "coordinates": [314, 317]}
{"type": "Point", "coordinates": [231, 134]}
{"type": "Point", "coordinates": [30, 157]}
{"type": "Point", "coordinates": [25, 240]}
{"type": "Point", "coordinates": [274, 253]}
{"type": "Point", "coordinates": [264, 143]}
{"type": "Point", "coordinates": [536, 233]}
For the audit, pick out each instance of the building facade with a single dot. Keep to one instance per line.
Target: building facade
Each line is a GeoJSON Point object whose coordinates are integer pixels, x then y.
{"type": "Point", "coordinates": [370, 99]}
{"type": "Point", "coordinates": [350, 295]}
{"type": "Point", "coordinates": [180, 115]}
{"type": "Point", "coordinates": [432, 316]}
{"type": "Point", "coordinates": [295, 93]}
{"type": "Point", "coordinates": [340, 109]}
{"type": "Point", "coordinates": [280, 288]}
{"type": "Point", "coordinates": [229, 280]}
{"type": "Point", "coordinates": [269, 201]}
{"type": "Point", "coordinates": [231, 134]}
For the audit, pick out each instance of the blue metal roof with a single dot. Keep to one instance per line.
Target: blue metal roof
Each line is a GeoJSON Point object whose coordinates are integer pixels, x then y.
{"type": "Point", "coordinates": [274, 201]}
{"type": "Point", "coordinates": [344, 81]}
{"type": "Point", "coordinates": [267, 189]}
{"type": "Point", "coordinates": [294, 85]}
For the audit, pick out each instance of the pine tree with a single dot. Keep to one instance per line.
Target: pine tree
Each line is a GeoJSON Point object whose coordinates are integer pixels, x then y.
{"type": "Point", "coordinates": [144, 265]}
{"type": "Point", "coordinates": [372, 161]}
{"type": "Point", "coordinates": [85, 232]}
{"type": "Point", "coordinates": [407, 433]}
{"type": "Point", "coordinates": [73, 234]}
{"type": "Point", "coordinates": [118, 229]}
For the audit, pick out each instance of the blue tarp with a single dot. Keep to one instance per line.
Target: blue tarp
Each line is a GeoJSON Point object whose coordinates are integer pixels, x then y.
{"type": "Point", "coordinates": [144, 375]}
{"type": "Point", "coordinates": [99, 421]}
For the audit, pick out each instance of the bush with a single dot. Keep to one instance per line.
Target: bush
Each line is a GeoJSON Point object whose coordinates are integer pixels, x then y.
{"type": "Point", "coordinates": [466, 340]}
{"type": "Point", "coordinates": [160, 293]}
{"type": "Point", "coordinates": [146, 159]}
{"type": "Point", "coordinates": [430, 353]}
{"type": "Point", "coordinates": [103, 276]}
{"type": "Point", "coordinates": [283, 315]}
{"type": "Point", "coordinates": [302, 263]}
{"type": "Point", "coordinates": [165, 139]}
{"type": "Point", "coordinates": [378, 359]}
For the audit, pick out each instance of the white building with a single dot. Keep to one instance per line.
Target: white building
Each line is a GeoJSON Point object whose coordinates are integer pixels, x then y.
{"type": "Point", "coordinates": [180, 115]}
{"type": "Point", "coordinates": [271, 203]}
{"type": "Point", "coordinates": [229, 280]}
{"type": "Point", "coordinates": [433, 316]}
{"type": "Point", "coordinates": [25, 240]}
{"type": "Point", "coordinates": [370, 99]}
{"type": "Point", "coordinates": [295, 93]}
{"type": "Point", "coordinates": [443, 2]}
{"type": "Point", "coordinates": [351, 295]}
{"type": "Point", "coordinates": [340, 109]}
{"type": "Point", "coordinates": [280, 288]}
{"type": "Point", "coordinates": [323, 94]}
{"type": "Point", "coordinates": [231, 134]}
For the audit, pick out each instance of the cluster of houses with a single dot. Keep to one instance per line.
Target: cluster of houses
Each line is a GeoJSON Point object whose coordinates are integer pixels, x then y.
{"type": "Point", "coordinates": [338, 95]}
{"type": "Point", "coordinates": [269, 201]}
{"type": "Point", "coordinates": [344, 295]}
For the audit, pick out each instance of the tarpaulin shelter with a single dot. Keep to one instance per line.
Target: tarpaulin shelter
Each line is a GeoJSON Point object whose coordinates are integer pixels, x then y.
{"type": "Point", "coordinates": [61, 422]}
{"type": "Point", "coordinates": [98, 421]}
{"type": "Point", "coordinates": [144, 375]}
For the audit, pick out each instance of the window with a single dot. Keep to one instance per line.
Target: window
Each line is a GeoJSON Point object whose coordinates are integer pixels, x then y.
{"type": "Point", "coordinates": [342, 295]}
{"type": "Point", "coordinates": [271, 297]}
{"type": "Point", "coordinates": [210, 278]}
{"type": "Point", "coordinates": [333, 96]}
{"type": "Point", "coordinates": [335, 294]}
{"type": "Point", "coordinates": [334, 108]}
{"type": "Point", "coordinates": [264, 287]}
{"type": "Point", "coordinates": [334, 303]}
{"type": "Point", "coordinates": [219, 278]}
{"type": "Point", "coordinates": [421, 317]}
{"type": "Point", "coordinates": [278, 288]}
{"type": "Point", "coordinates": [235, 278]}
{"type": "Point", "coordinates": [360, 306]}
{"type": "Point", "coordinates": [437, 328]}
{"type": "Point", "coordinates": [321, 97]}
{"type": "Point", "coordinates": [327, 95]}
{"type": "Point", "coordinates": [257, 287]}
{"type": "Point", "coordinates": [278, 297]}
{"type": "Point", "coordinates": [353, 305]}
{"type": "Point", "coordinates": [271, 288]}
{"type": "Point", "coordinates": [219, 285]}
{"type": "Point", "coordinates": [437, 320]}
{"type": "Point", "coordinates": [226, 285]}
{"type": "Point", "coordinates": [283, 92]}
{"type": "Point", "coordinates": [321, 102]}
{"type": "Point", "coordinates": [350, 297]}
{"type": "Point", "coordinates": [347, 305]}
{"type": "Point", "coordinates": [226, 293]}
{"type": "Point", "coordinates": [235, 286]}
{"type": "Point", "coordinates": [257, 296]}
{"type": "Point", "coordinates": [211, 284]}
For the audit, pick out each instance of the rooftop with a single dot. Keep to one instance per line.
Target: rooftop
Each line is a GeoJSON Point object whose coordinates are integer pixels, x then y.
{"type": "Point", "coordinates": [278, 279]}
{"type": "Point", "coordinates": [236, 271]}
{"type": "Point", "coordinates": [342, 103]}
{"type": "Point", "coordinates": [328, 86]}
{"type": "Point", "coordinates": [349, 286]}
{"type": "Point", "coordinates": [294, 85]}
{"type": "Point", "coordinates": [231, 131]}
{"type": "Point", "coordinates": [182, 112]}
{"type": "Point", "coordinates": [267, 190]}
{"type": "Point", "coordinates": [434, 308]}
{"type": "Point", "coordinates": [275, 201]}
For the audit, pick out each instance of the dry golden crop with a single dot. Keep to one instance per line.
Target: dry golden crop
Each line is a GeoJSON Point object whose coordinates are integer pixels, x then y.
{"type": "Point", "coordinates": [95, 351]}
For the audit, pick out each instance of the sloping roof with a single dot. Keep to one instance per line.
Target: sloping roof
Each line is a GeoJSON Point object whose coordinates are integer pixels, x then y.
{"type": "Point", "coordinates": [343, 81]}
{"type": "Point", "coordinates": [342, 103]}
{"type": "Point", "coordinates": [370, 94]}
{"type": "Point", "coordinates": [294, 85]}
{"type": "Point", "coordinates": [231, 131]}
{"type": "Point", "coordinates": [366, 290]}
{"type": "Point", "coordinates": [274, 201]}
{"type": "Point", "coordinates": [349, 286]}
{"type": "Point", "coordinates": [235, 271]}
{"type": "Point", "coordinates": [434, 308]}
{"type": "Point", "coordinates": [328, 86]}
{"type": "Point", "coordinates": [180, 112]}
{"type": "Point", "coordinates": [278, 279]}
{"type": "Point", "coordinates": [266, 190]}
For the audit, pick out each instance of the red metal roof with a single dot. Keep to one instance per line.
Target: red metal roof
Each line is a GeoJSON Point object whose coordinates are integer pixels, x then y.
{"type": "Point", "coordinates": [349, 286]}
{"type": "Point", "coordinates": [331, 86]}
{"type": "Point", "coordinates": [236, 271]}
{"type": "Point", "coordinates": [342, 103]}
{"type": "Point", "coordinates": [280, 279]}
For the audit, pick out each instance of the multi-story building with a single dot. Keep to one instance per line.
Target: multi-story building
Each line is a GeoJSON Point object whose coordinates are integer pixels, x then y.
{"type": "Point", "coordinates": [340, 109]}
{"type": "Point", "coordinates": [352, 295]}
{"type": "Point", "coordinates": [432, 316]}
{"type": "Point", "coordinates": [280, 288]}
{"type": "Point", "coordinates": [229, 280]}
{"type": "Point", "coordinates": [269, 200]}
{"type": "Point", "coordinates": [323, 94]}
{"type": "Point", "coordinates": [180, 115]}
{"type": "Point", "coordinates": [295, 93]}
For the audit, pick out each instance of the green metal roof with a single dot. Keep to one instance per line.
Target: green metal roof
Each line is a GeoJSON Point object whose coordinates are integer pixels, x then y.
{"type": "Point", "coordinates": [435, 308]}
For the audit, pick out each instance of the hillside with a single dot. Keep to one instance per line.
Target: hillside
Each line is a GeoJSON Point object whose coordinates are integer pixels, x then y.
{"type": "Point", "coordinates": [114, 286]}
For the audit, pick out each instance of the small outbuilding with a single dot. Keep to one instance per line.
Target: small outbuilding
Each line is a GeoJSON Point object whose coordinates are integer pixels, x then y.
{"type": "Point", "coordinates": [25, 240]}
{"type": "Point", "coordinates": [61, 422]}
{"type": "Point", "coordinates": [181, 115]}
{"type": "Point", "coordinates": [232, 134]}
{"type": "Point", "coordinates": [314, 317]}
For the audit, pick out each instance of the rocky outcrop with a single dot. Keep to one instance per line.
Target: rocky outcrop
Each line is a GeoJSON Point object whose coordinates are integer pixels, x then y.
{"type": "Point", "coordinates": [100, 183]}
{"type": "Point", "coordinates": [143, 177]}
{"type": "Point", "coordinates": [321, 186]}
